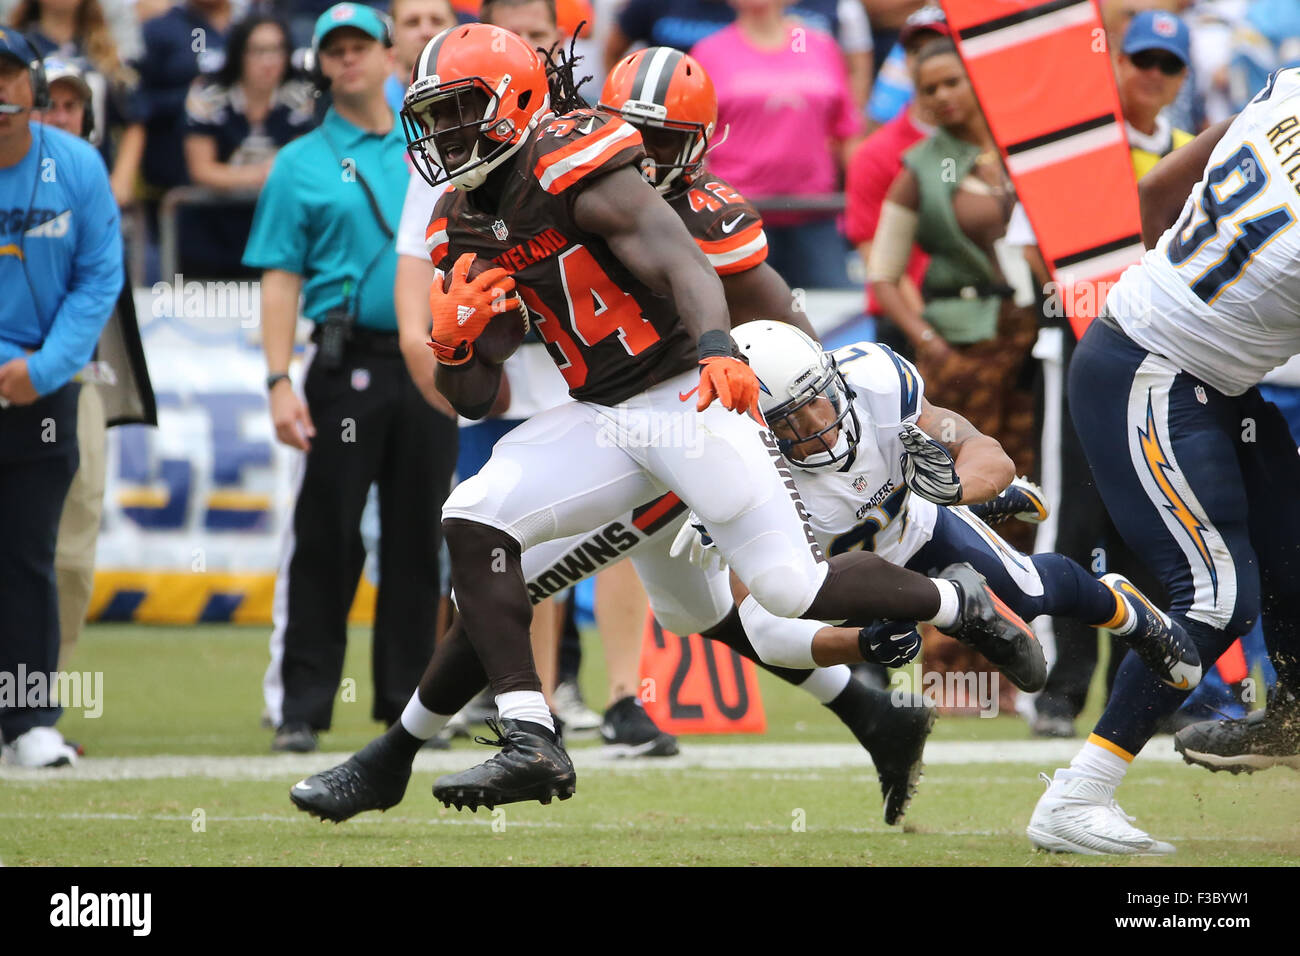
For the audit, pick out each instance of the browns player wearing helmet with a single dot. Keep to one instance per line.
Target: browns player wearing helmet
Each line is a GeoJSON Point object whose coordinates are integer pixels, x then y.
{"type": "Point", "coordinates": [669, 98]}
{"type": "Point", "coordinates": [623, 297]}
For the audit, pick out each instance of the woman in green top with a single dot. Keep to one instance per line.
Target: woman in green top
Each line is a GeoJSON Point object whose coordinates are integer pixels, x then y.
{"type": "Point", "coordinates": [953, 198]}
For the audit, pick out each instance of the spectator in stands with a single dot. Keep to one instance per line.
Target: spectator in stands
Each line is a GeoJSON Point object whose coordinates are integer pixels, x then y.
{"type": "Point", "coordinates": [684, 23]}
{"type": "Point", "coordinates": [75, 31]}
{"type": "Point", "coordinates": [1213, 24]}
{"type": "Point", "coordinates": [187, 40]}
{"type": "Point", "coordinates": [873, 167]}
{"type": "Point", "coordinates": [70, 98]}
{"type": "Point", "coordinates": [415, 23]}
{"type": "Point", "coordinates": [784, 101]}
{"type": "Point", "coordinates": [1150, 69]}
{"type": "Point", "coordinates": [1268, 40]}
{"type": "Point", "coordinates": [972, 341]}
{"type": "Point", "coordinates": [893, 90]}
{"type": "Point", "coordinates": [236, 121]}
{"type": "Point", "coordinates": [61, 271]}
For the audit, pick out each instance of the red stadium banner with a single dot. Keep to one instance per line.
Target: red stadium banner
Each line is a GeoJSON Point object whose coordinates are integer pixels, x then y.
{"type": "Point", "coordinates": [1043, 75]}
{"type": "Point", "coordinates": [691, 685]}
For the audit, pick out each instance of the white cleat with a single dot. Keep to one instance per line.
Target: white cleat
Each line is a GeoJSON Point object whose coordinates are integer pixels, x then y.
{"type": "Point", "coordinates": [1079, 814]}
{"type": "Point", "coordinates": [40, 747]}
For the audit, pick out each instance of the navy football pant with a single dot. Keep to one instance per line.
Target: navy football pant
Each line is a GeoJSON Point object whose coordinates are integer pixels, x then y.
{"type": "Point", "coordinates": [1029, 584]}
{"type": "Point", "coordinates": [1202, 486]}
{"type": "Point", "coordinates": [38, 457]}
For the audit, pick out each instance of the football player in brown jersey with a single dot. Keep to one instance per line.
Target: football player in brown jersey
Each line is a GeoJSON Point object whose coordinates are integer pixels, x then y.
{"type": "Point", "coordinates": [636, 320]}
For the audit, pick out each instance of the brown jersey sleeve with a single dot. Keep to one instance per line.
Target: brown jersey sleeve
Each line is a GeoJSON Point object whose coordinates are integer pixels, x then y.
{"type": "Point", "coordinates": [727, 228]}
{"type": "Point", "coordinates": [437, 235]}
{"type": "Point", "coordinates": [582, 145]}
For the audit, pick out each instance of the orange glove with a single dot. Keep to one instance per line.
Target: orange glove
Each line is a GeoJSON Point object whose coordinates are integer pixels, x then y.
{"type": "Point", "coordinates": [461, 313]}
{"type": "Point", "coordinates": [731, 382]}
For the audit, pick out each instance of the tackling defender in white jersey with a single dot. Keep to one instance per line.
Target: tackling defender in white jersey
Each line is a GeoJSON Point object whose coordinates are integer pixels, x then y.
{"type": "Point", "coordinates": [856, 428]}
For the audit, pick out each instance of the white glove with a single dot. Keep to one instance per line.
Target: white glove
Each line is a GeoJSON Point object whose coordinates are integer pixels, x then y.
{"type": "Point", "coordinates": [928, 469]}
{"type": "Point", "coordinates": [694, 542]}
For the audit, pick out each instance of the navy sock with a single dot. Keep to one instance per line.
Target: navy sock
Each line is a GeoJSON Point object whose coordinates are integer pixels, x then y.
{"type": "Point", "coordinates": [1070, 591]}
{"type": "Point", "coordinates": [1140, 700]}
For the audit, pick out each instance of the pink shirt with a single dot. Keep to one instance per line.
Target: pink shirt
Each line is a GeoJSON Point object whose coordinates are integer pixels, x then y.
{"type": "Point", "coordinates": [783, 106]}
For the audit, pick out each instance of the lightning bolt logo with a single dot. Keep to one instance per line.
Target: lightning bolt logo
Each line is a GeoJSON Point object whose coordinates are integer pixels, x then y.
{"type": "Point", "coordinates": [1160, 468]}
{"type": "Point", "coordinates": [11, 249]}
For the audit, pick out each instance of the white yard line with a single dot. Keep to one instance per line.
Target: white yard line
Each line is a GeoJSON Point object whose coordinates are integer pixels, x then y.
{"type": "Point", "coordinates": [1038, 754]}
{"type": "Point", "coordinates": [486, 820]}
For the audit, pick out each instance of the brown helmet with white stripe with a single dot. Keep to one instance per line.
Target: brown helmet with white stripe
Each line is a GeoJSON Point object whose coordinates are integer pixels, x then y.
{"type": "Point", "coordinates": [667, 95]}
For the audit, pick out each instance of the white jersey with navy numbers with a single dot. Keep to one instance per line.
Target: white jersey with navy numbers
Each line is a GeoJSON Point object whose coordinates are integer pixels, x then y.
{"type": "Point", "coordinates": [1219, 295]}
{"type": "Point", "coordinates": [863, 503]}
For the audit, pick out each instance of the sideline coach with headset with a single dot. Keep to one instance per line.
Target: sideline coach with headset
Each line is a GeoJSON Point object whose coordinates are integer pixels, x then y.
{"type": "Point", "coordinates": [60, 274]}
{"type": "Point", "coordinates": [324, 227]}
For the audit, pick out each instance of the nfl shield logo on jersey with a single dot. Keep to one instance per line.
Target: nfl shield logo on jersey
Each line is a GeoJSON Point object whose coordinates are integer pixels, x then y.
{"type": "Point", "coordinates": [500, 231]}
{"type": "Point", "coordinates": [860, 484]}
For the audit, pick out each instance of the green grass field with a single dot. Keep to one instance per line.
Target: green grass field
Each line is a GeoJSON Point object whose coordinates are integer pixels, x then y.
{"type": "Point", "coordinates": [195, 693]}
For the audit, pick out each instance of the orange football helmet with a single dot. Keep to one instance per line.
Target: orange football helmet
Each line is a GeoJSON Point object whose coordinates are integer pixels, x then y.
{"type": "Point", "coordinates": [491, 83]}
{"type": "Point", "coordinates": [663, 88]}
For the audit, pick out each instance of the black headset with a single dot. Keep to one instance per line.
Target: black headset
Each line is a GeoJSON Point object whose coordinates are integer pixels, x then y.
{"type": "Point", "coordinates": [88, 110]}
{"type": "Point", "coordinates": [36, 69]}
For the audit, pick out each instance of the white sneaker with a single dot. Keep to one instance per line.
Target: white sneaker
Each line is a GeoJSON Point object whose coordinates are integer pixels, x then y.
{"type": "Point", "coordinates": [40, 747]}
{"type": "Point", "coordinates": [573, 710]}
{"type": "Point", "coordinates": [1079, 814]}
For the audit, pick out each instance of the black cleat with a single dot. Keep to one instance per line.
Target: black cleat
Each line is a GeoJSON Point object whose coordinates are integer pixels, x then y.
{"type": "Point", "coordinates": [896, 742]}
{"type": "Point", "coordinates": [354, 786]}
{"type": "Point", "coordinates": [529, 767]}
{"type": "Point", "coordinates": [628, 731]}
{"type": "Point", "coordinates": [1022, 499]}
{"type": "Point", "coordinates": [996, 631]}
{"type": "Point", "coordinates": [1263, 739]}
{"type": "Point", "coordinates": [1159, 640]}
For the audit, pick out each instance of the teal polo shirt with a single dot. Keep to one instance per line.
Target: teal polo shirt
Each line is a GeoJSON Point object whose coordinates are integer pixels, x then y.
{"type": "Point", "coordinates": [313, 218]}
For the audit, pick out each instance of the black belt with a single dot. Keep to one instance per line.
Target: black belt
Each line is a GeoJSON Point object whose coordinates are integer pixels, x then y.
{"type": "Point", "coordinates": [976, 291]}
{"type": "Point", "coordinates": [372, 341]}
{"type": "Point", "coordinates": [1108, 320]}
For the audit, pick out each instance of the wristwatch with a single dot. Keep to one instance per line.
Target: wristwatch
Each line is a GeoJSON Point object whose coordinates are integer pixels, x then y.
{"type": "Point", "coordinates": [274, 378]}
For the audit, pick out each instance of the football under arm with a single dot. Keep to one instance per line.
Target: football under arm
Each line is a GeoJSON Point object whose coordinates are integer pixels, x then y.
{"type": "Point", "coordinates": [652, 242]}
{"type": "Point", "coordinates": [761, 293]}
{"type": "Point", "coordinates": [1163, 191]}
{"type": "Point", "coordinates": [983, 467]}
